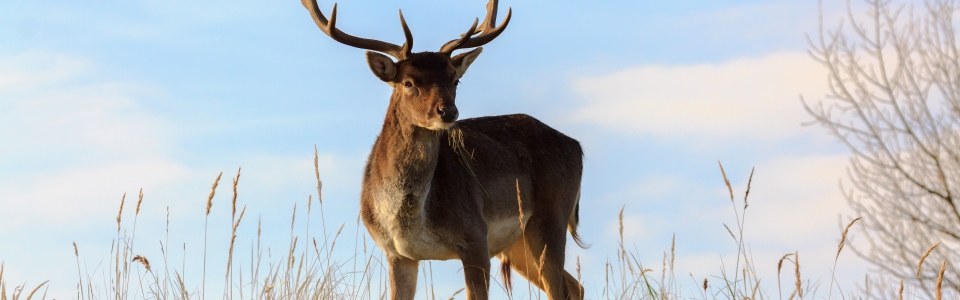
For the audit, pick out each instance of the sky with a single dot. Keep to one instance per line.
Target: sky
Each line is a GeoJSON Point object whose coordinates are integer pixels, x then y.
{"type": "Point", "coordinates": [102, 98]}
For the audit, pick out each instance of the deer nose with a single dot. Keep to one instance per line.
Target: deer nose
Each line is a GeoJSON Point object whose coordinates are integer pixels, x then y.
{"type": "Point", "coordinates": [448, 113]}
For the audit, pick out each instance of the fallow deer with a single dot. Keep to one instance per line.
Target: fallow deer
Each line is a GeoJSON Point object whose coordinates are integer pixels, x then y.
{"type": "Point", "coordinates": [435, 188]}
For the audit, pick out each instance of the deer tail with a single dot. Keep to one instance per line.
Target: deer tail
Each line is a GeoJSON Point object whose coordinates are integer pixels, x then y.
{"type": "Point", "coordinates": [574, 222]}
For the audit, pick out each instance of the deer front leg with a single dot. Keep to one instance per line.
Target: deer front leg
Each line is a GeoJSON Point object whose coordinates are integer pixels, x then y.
{"type": "Point", "coordinates": [403, 277]}
{"type": "Point", "coordinates": [476, 270]}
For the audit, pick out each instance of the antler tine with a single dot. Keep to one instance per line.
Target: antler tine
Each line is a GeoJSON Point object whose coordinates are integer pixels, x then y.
{"type": "Point", "coordinates": [330, 28]}
{"type": "Point", "coordinates": [457, 43]}
{"type": "Point", "coordinates": [408, 44]}
{"type": "Point", "coordinates": [487, 31]}
{"type": "Point", "coordinates": [491, 17]}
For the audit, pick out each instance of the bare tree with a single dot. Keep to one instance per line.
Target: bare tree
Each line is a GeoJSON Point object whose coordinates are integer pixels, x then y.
{"type": "Point", "coordinates": [894, 100]}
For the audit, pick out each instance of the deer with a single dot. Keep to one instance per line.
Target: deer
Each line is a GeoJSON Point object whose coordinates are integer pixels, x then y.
{"type": "Point", "coordinates": [438, 188]}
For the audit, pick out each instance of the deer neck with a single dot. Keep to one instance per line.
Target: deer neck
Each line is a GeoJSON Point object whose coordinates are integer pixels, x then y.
{"type": "Point", "coordinates": [401, 168]}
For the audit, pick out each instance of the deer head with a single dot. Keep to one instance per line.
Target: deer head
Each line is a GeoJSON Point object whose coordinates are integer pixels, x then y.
{"type": "Point", "coordinates": [425, 83]}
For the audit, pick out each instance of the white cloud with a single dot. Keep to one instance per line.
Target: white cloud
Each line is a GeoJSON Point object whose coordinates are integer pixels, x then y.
{"type": "Point", "coordinates": [75, 196]}
{"type": "Point", "coordinates": [751, 97]}
{"type": "Point", "coordinates": [797, 199]}
{"type": "Point", "coordinates": [51, 107]}
{"type": "Point", "coordinates": [29, 69]}
{"type": "Point", "coordinates": [73, 144]}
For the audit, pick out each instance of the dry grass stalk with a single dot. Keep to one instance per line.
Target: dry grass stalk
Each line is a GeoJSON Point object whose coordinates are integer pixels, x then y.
{"type": "Point", "coordinates": [316, 169]}
{"type": "Point", "coordinates": [620, 221]}
{"type": "Point", "coordinates": [76, 253]}
{"type": "Point", "coordinates": [139, 200]}
{"type": "Point", "coordinates": [900, 292]}
{"type": "Point", "coordinates": [293, 218]}
{"type": "Point", "coordinates": [704, 284]}
{"type": "Point", "coordinates": [663, 272]}
{"type": "Point", "coordinates": [779, 267]}
{"type": "Point", "coordinates": [213, 191]}
{"type": "Point", "coordinates": [142, 260]}
{"type": "Point", "coordinates": [924, 257]}
{"type": "Point", "coordinates": [236, 180]}
{"type": "Point", "coordinates": [730, 232]}
{"type": "Point", "coordinates": [3, 284]}
{"type": "Point", "coordinates": [578, 269]}
{"type": "Point", "coordinates": [843, 239]}
{"type": "Point", "coordinates": [673, 255]}
{"type": "Point", "coordinates": [119, 213]}
{"type": "Point", "coordinates": [747, 194]}
{"type": "Point", "coordinates": [334, 243]}
{"type": "Point", "coordinates": [233, 236]}
{"type": "Point", "coordinates": [943, 267]}
{"type": "Point", "coordinates": [623, 249]}
{"type": "Point", "coordinates": [520, 206]}
{"type": "Point", "coordinates": [35, 290]}
{"type": "Point", "coordinates": [543, 256]}
{"type": "Point", "coordinates": [796, 264]}
{"type": "Point", "coordinates": [727, 181]}
{"type": "Point", "coordinates": [456, 293]}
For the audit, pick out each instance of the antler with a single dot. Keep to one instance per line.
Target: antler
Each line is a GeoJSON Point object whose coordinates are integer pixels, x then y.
{"type": "Point", "coordinates": [330, 28]}
{"type": "Point", "coordinates": [487, 31]}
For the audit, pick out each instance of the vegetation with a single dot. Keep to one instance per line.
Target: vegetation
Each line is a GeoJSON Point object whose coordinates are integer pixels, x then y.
{"type": "Point", "coordinates": [894, 101]}
{"type": "Point", "coordinates": [308, 271]}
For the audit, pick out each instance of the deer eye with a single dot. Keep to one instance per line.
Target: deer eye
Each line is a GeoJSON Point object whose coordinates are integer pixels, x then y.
{"type": "Point", "coordinates": [407, 84]}
{"type": "Point", "coordinates": [456, 83]}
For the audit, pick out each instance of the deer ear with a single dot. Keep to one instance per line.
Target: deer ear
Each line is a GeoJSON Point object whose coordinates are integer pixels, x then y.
{"type": "Point", "coordinates": [382, 66]}
{"type": "Point", "coordinates": [463, 60]}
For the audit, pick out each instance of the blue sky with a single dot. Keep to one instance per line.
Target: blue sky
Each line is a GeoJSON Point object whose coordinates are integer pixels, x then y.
{"type": "Point", "coordinates": [106, 97]}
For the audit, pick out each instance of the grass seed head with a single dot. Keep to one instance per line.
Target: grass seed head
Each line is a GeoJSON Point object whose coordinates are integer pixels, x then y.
{"type": "Point", "coordinates": [119, 213]}
{"type": "Point", "coordinates": [213, 191]}
{"type": "Point", "coordinates": [780, 264]}
{"type": "Point", "coordinates": [796, 263]}
{"type": "Point", "coordinates": [236, 180]}
{"type": "Point", "coordinates": [139, 200]}
{"type": "Point", "coordinates": [924, 257]}
{"type": "Point", "coordinates": [620, 221]}
{"type": "Point", "coordinates": [142, 260]}
{"type": "Point", "coordinates": [578, 269]}
{"type": "Point", "coordinates": [726, 181]}
{"type": "Point", "coordinates": [843, 237]}
{"type": "Point", "coordinates": [316, 169]}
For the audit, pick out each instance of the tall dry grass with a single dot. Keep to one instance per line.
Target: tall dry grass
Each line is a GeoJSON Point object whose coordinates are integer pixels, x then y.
{"type": "Point", "coordinates": [307, 268]}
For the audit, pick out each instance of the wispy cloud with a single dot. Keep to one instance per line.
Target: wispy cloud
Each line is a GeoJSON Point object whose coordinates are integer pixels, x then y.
{"type": "Point", "coordinates": [750, 97]}
{"type": "Point", "coordinates": [73, 140]}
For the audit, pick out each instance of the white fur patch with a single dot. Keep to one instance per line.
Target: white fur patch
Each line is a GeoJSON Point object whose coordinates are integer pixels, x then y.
{"type": "Point", "coordinates": [440, 125]}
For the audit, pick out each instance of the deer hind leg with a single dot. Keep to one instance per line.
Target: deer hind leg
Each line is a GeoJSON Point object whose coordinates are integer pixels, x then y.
{"type": "Point", "coordinates": [524, 257]}
{"type": "Point", "coordinates": [476, 271]}
{"type": "Point", "coordinates": [403, 277]}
